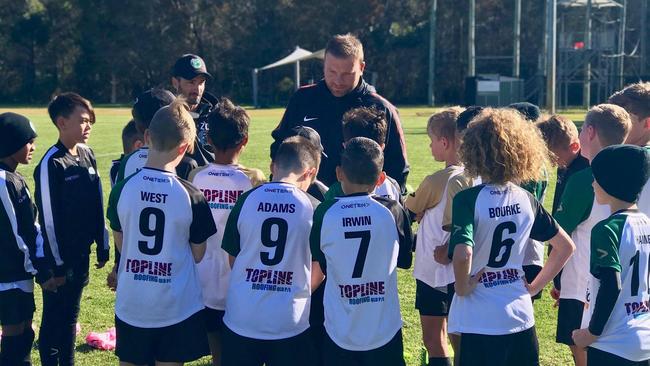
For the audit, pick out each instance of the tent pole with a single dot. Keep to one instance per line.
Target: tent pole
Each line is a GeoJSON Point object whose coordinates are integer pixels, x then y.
{"type": "Point", "coordinates": [297, 75]}
{"type": "Point", "coordinates": [255, 104]}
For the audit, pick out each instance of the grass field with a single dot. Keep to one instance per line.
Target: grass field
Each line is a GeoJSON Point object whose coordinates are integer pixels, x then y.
{"type": "Point", "coordinates": [97, 303]}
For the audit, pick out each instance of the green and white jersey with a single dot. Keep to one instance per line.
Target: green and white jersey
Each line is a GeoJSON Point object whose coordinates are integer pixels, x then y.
{"type": "Point", "coordinates": [221, 185]}
{"type": "Point", "coordinates": [622, 242]}
{"type": "Point", "coordinates": [496, 221]}
{"type": "Point", "coordinates": [160, 216]}
{"type": "Point", "coordinates": [359, 241]}
{"type": "Point", "coordinates": [534, 254]}
{"type": "Point", "coordinates": [389, 188]}
{"type": "Point", "coordinates": [431, 198]}
{"type": "Point", "coordinates": [577, 213]}
{"type": "Point", "coordinates": [135, 161]}
{"type": "Point", "coordinates": [270, 290]}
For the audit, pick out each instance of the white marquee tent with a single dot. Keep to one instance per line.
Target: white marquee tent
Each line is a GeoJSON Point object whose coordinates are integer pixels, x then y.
{"type": "Point", "coordinates": [298, 55]}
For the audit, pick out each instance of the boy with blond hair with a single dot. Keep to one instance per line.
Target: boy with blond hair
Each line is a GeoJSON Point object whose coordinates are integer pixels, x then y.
{"type": "Point", "coordinates": [435, 281]}
{"type": "Point", "coordinates": [160, 224]}
{"type": "Point", "coordinates": [577, 213]}
{"type": "Point", "coordinates": [635, 99]}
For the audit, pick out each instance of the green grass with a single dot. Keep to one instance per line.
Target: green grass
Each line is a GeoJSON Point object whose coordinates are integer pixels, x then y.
{"type": "Point", "coordinates": [97, 303]}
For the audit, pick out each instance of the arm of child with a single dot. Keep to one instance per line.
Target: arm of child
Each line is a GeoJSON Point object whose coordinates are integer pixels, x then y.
{"type": "Point", "coordinates": [563, 248]}
{"type": "Point", "coordinates": [198, 251]}
{"type": "Point", "coordinates": [317, 275]}
{"type": "Point", "coordinates": [462, 263]}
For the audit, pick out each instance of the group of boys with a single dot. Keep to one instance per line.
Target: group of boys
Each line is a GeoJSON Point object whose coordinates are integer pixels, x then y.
{"type": "Point", "coordinates": [211, 256]}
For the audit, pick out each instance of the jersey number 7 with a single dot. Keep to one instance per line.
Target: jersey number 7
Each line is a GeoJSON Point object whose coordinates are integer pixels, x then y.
{"type": "Point", "coordinates": [363, 250]}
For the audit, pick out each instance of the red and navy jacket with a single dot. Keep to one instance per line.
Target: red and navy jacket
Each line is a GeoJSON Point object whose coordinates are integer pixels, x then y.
{"type": "Point", "coordinates": [21, 246]}
{"type": "Point", "coordinates": [314, 106]}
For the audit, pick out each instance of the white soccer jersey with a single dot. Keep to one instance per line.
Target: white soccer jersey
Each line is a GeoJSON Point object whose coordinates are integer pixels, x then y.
{"type": "Point", "coordinates": [268, 233]}
{"type": "Point", "coordinates": [496, 221]}
{"type": "Point", "coordinates": [622, 242]}
{"type": "Point", "coordinates": [159, 215]}
{"type": "Point", "coordinates": [133, 163]}
{"type": "Point", "coordinates": [389, 188]}
{"type": "Point", "coordinates": [575, 274]}
{"type": "Point", "coordinates": [431, 235]}
{"type": "Point", "coordinates": [221, 185]}
{"type": "Point", "coordinates": [359, 241]}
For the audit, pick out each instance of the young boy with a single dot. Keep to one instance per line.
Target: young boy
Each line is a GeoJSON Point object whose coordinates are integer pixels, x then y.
{"type": "Point", "coordinates": [21, 244]}
{"type": "Point", "coordinates": [370, 123]}
{"type": "Point", "coordinates": [434, 281]}
{"type": "Point", "coordinates": [71, 214]}
{"type": "Point", "coordinates": [222, 182]}
{"type": "Point", "coordinates": [144, 108]}
{"type": "Point", "coordinates": [267, 237]}
{"type": "Point", "coordinates": [132, 140]}
{"type": "Point", "coordinates": [160, 224]}
{"type": "Point", "coordinates": [635, 99]}
{"type": "Point", "coordinates": [561, 137]}
{"type": "Point", "coordinates": [578, 212]}
{"type": "Point", "coordinates": [492, 223]}
{"type": "Point", "coordinates": [359, 240]}
{"type": "Point", "coordinates": [617, 325]}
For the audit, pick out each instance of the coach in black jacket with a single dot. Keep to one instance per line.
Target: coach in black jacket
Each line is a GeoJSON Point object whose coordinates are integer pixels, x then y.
{"type": "Point", "coordinates": [321, 106]}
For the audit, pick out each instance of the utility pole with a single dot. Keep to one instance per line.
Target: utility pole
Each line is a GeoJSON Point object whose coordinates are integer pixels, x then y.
{"type": "Point", "coordinates": [431, 99]}
{"type": "Point", "coordinates": [621, 46]}
{"type": "Point", "coordinates": [552, 54]}
{"type": "Point", "coordinates": [471, 54]}
{"type": "Point", "coordinates": [586, 89]}
{"type": "Point", "coordinates": [516, 56]}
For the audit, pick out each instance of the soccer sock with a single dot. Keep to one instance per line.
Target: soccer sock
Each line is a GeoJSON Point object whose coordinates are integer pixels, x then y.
{"type": "Point", "coordinates": [27, 343]}
{"type": "Point", "coordinates": [439, 361]}
{"type": "Point", "coordinates": [11, 350]}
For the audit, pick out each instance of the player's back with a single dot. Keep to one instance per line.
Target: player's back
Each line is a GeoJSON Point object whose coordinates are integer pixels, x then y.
{"type": "Point", "coordinates": [268, 233]}
{"type": "Point", "coordinates": [135, 161]}
{"type": "Point", "coordinates": [622, 241]}
{"type": "Point", "coordinates": [358, 238]}
{"type": "Point", "coordinates": [497, 220]}
{"type": "Point", "coordinates": [221, 185]}
{"type": "Point", "coordinates": [157, 214]}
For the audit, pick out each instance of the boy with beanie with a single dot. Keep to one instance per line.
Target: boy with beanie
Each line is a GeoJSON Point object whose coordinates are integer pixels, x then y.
{"type": "Point", "coordinates": [21, 245]}
{"type": "Point", "coordinates": [605, 125]}
{"type": "Point", "coordinates": [616, 327]}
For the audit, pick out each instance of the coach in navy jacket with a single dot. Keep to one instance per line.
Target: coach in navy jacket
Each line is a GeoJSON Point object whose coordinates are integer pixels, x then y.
{"type": "Point", "coordinates": [321, 106]}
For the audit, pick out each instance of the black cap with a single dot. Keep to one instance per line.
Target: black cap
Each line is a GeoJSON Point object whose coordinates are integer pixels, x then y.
{"type": "Point", "coordinates": [303, 131]}
{"type": "Point", "coordinates": [622, 171]}
{"type": "Point", "coordinates": [530, 111]}
{"type": "Point", "coordinates": [190, 66]}
{"type": "Point", "coordinates": [15, 131]}
{"type": "Point", "coordinates": [466, 116]}
{"type": "Point", "coordinates": [148, 103]}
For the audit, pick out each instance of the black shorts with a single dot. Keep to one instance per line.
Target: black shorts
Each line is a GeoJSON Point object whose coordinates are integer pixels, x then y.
{"type": "Point", "coordinates": [596, 357]}
{"type": "Point", "coordinates": [433, 302]}
{"type": "Point", "coordinates": [243, 351]}
{"type": "Point", "coordinates": [213, 319]}
{"type": "Point", "coordinates": [517, 349]}
{"type": "Point", "coordinates": [531, 272]}
{"type": "Point", "coordinates": [182, 342]}
{"type": "Point", "coordinates": [390, 354]}
{"type": "Point", "coordinates": [569, 318]}
{"type": "Point", "coordinates": [16, 306]}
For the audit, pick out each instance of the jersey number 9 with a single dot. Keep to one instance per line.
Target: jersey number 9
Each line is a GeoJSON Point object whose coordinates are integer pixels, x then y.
{"type": "Point", "coordinates": [157, 232]}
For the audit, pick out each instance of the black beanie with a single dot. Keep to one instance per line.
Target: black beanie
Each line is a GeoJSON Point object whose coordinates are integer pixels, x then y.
{"type": "Point", "coordinates": [15, 132]}
{"type": "Point", "coordinates": [530, 111]}
{"type": "Point", "coordinates": [622, 171]}
{"type": "Point", "coordinates": [148, 103]}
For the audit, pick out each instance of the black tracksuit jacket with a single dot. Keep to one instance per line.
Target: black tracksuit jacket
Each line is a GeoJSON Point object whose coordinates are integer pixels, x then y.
{"type": "Point", "coordinates": [314, 106]}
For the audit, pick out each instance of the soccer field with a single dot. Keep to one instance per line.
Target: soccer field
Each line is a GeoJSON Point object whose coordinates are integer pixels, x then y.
{"type": "Point", "coordinates": [97, 303]}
